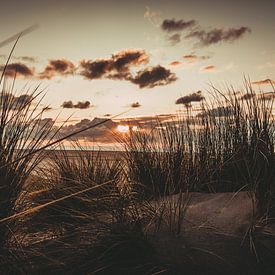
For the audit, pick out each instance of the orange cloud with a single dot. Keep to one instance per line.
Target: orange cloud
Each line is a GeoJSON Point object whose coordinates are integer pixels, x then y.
{"type": "Point", "coordinates": [209, 68]}
{"type": "Point", "coordinates": [175, 63]}
{"type": "Point", "coordinates": [61, 67]}
{"type": "Point", "coordinates": [116, 67]}
{"type": "Point", "coordinates": [264, 82]}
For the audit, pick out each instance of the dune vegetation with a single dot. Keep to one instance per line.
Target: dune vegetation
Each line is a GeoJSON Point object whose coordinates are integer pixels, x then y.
{"type": "Point", "coordinates": [92, 215]}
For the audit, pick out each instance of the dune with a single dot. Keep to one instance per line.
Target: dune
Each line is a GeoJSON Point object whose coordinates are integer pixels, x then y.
{"type": "Point", "coordinates": [215, 235]}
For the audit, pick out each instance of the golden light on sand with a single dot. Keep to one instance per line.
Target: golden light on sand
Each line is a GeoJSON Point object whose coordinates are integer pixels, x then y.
{"type": "Point", "coordinates": [123, 128]}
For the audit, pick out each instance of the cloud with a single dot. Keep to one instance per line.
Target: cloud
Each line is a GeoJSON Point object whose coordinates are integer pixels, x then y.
{"type": "Point", "coordinates": [216, 35]}
{"type": "Point", "coordinates": [154, 17]}
{"type": "Point", "coordinates": [267, 96]}
{"type": "Point", "coordinates": [174, 39]}
{"type": "Point", "coordinates": [135, 105]}
{"type": "Point", "coordinates": [57, 67]}
{"type": "Point", "coordinates": [151, 122]}
{"type": "Point", "coordinates": [193, 57]}
{"type": "Point", "coordinates": [23, 99]}
{"type": "Point", "coordinates": [209, 68]}
{"type": "Point", "coordinates": [95, 69]}
{"type": "Point", "coordinates": [154, 76]}
{"type": "Point", "coordinates": [124, 59]}
{"type": "Point", "coordinates": [101, 133]}
{"type": "Point", "coordinates": [67, 104]}
{"type": "Point", "coordinates": [27, 59]}
{"type": "Point", "coordinates": [188, 99]}
{"type": "Point", "coordinates": [190, 57]}
{"type": "Point", "coordinates": [79, 105]}
{"type": "Point", "coordinates": [16, 101]}
{"type": "Point", "coordinates": [116, 67]}
{"type": "Point", "coordinates": [264, 82]}
{"type": "Point", "coordinates": [262, 96]}
{"type": "Point", "coordinates": [18, 69]}
{"type": "Point", "coordinates": [175, 63]}
{"type": "Point", "coordinates": [220, 111]}
{"type": "Point", "coordinates": [177, 25]}
{"type": "Point", "coordinates": [82, 105]}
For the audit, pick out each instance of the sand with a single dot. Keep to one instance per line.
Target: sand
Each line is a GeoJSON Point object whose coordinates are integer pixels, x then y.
{"type": "Point", "coordinates": [212, 236]}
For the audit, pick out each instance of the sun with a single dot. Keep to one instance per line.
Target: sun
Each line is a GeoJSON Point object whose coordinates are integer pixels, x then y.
{"type": "Point", "coordinates": [123, 128]}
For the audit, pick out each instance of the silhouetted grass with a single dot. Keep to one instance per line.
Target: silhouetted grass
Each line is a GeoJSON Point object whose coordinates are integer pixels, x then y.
{"type": "Point", "coordinates": [226, 147]}
{"type": "Point", "coordinates": [67, 175]}
{"type": "Point", "coordinates": [22, 131]}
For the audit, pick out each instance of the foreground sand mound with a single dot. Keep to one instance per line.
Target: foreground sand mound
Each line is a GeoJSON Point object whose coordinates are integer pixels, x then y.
{"type": "Point", "coordinates": [227, 213]}
{"type": "Point", "coordinates": [212, 236]}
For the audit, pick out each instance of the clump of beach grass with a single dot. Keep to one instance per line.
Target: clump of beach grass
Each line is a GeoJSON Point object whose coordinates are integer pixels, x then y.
{"type": "Point", "coordinates": [22, 133]}
{"type": "Point", "coordinates": [226, 147]}
{"type": "Point", "coordinates": [87, 171]}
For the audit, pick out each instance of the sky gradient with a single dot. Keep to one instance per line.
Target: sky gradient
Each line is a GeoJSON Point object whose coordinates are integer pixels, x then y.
{"type": "Point", "coordinates": [104, 57]}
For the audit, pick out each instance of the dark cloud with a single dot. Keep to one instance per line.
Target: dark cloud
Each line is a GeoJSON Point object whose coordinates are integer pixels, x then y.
{"type": "Point", "coordinates": [95, 69]}
{"type": "Point", "coordinates": [18, 69]}
{"type": "Point", "coordinates": [215, 36]}
{"type": "Point", "coordinates": [135, 105]}
{"type": "Point", "coordinates": [57, 67]}
{"type": "Point", "coordinates": [67, 104]}
{"type": "Point", "coordinates": [264, 82]}
{"type": "Point", "coordinates": [101, 133]}
{"type": "Point", "coordinates": [79, 105]}
{"type": "Point", "coordinates": [46, 123]}
{"type": "Point", "coordinates": [177, 25]}
{"type": "Point", "coordinates": [151, 122]}
{"type": "Point", "coordinates": [209, 68]}
{"type": "Point", "coordinates": [193, 57]}
{"type": "Point", "coordinates": [82, 105]}
{"type": "Point", "coordinates": [220, 111]}
{"type": "Point", "coordinates": [188, 99]}
{"type": "Point", "coordinates": [16, 102]}
{"type": "Point", "coordinates": [174, 39]}
{"type": "Point", "coordinates": [23, 99]}
{"type": "Point", "coordinates": [155, 76]}
{"type": "Point", "coordinates": [262, 96]}
{"type": "Point", "coordinates": [116, 67]}
{"type": "Point", "coordinates": [124, 59]}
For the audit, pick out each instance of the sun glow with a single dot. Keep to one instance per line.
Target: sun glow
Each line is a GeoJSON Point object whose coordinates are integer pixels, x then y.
{"type": "Point", "coordinates": [123, 128]}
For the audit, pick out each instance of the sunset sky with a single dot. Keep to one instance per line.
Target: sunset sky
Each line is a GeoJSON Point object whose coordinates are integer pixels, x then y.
{"type": "Point", "coordinates": [104, 57]}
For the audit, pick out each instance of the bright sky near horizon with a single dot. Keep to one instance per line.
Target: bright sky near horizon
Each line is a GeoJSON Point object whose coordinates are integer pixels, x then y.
{"type": "Point", "coordinates": [104, 57]}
